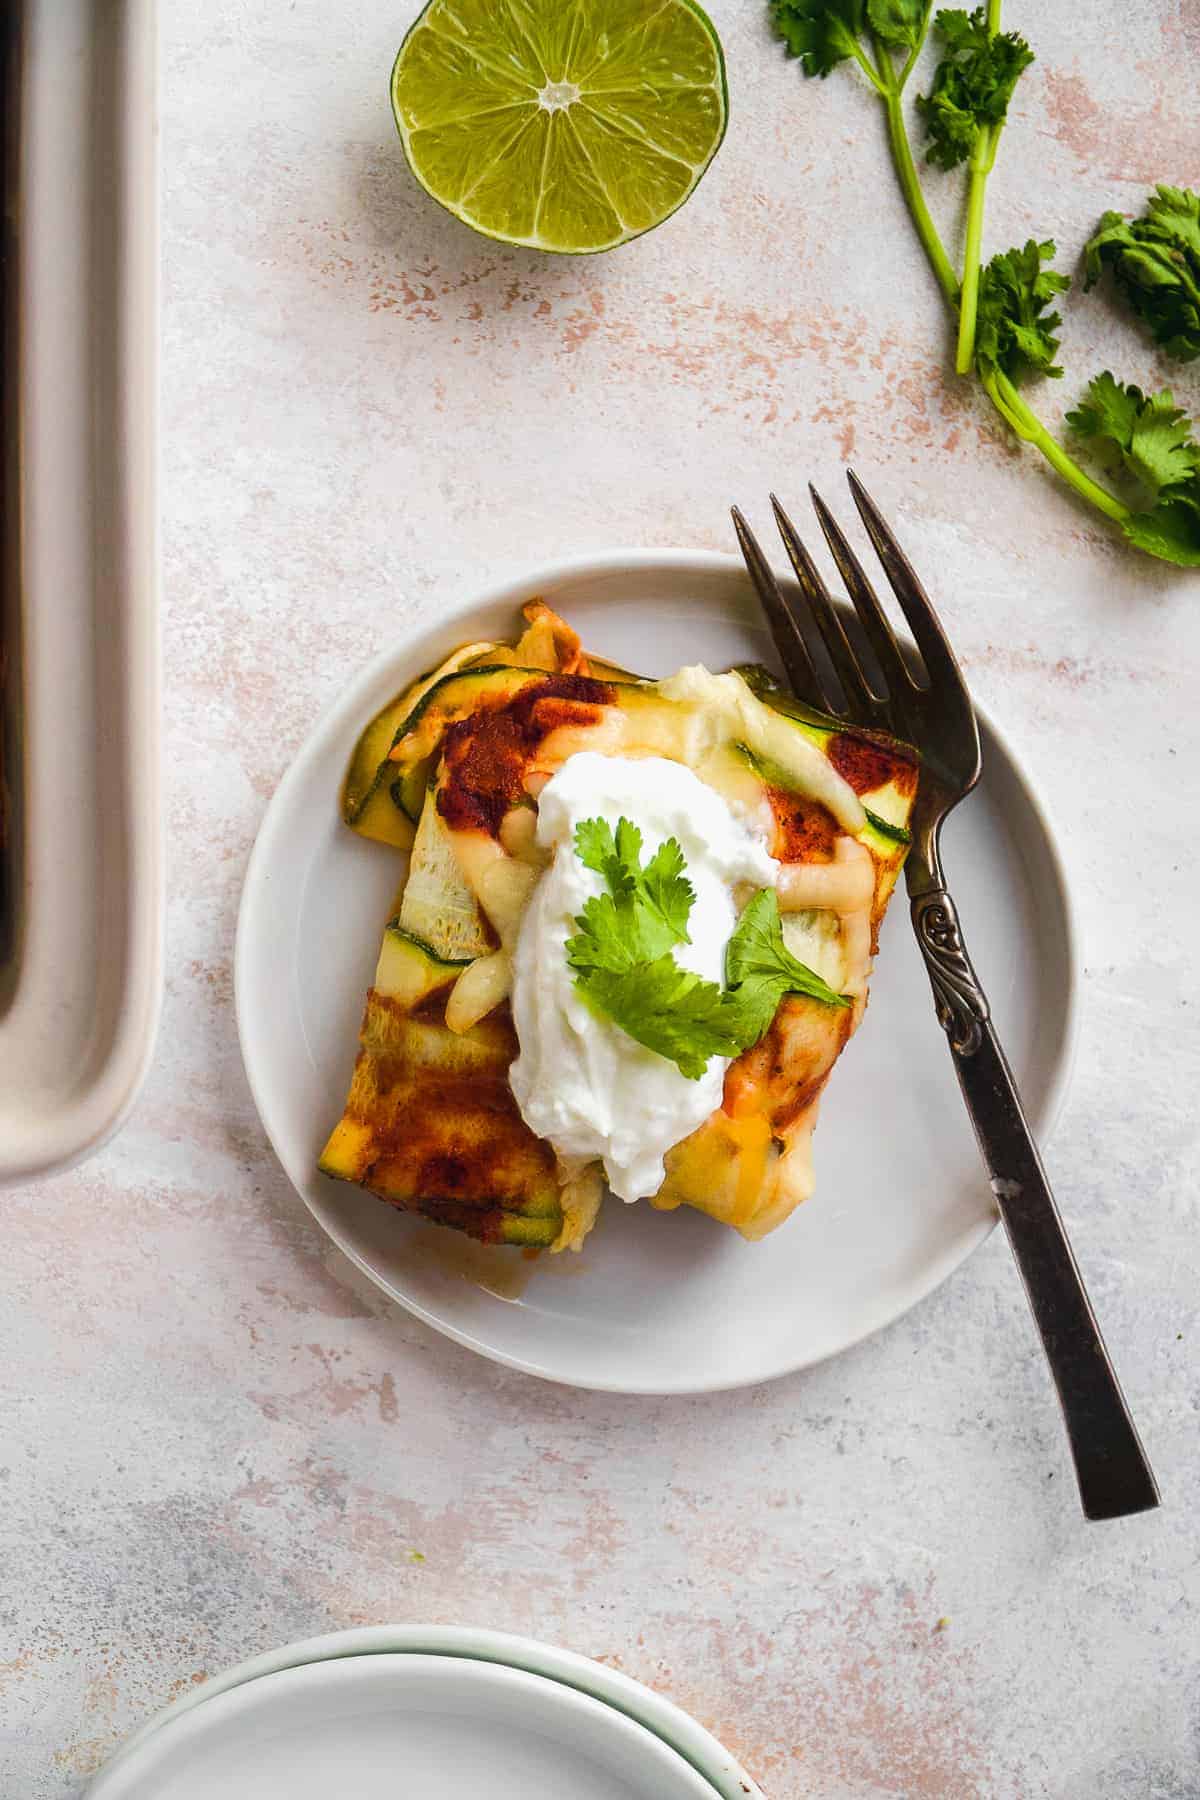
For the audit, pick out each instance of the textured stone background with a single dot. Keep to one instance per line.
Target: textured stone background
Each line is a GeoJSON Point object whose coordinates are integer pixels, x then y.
{"type": "Point", "coordinates": [216, 1438]}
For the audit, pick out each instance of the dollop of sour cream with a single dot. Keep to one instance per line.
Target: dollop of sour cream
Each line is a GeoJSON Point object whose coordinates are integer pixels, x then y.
{"type": "Point", "coordinates": [580, 1081]}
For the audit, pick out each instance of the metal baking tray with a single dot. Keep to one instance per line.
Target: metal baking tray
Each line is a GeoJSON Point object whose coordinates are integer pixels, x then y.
{"type": "Point", "coordinates": [80, 832]}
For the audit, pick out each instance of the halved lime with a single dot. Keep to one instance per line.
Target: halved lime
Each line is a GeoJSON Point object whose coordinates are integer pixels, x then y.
{"type": "Point", "coordinates": [569, 125]}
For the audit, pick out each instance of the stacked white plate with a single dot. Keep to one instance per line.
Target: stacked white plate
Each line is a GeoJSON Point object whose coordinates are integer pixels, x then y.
{"type": "Point", "coordinates": [429, 1712]}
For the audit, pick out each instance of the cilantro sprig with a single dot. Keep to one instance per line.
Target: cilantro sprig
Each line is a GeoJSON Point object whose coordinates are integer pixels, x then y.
{"type": "Point", "coordinates": [1156, 263]}
{"type": "Point", "coordinates": [972, 86]}
{"type": "Point", "coordinates": [645, 911]}
{"type": "Point", "coordinates": [1151, 439]}
{"type": "Point", "coordinates": [964, 113]}
{"type": "Point", "coordinates": [1006, 330]}
{"type": "Point", "coordinates": [828, 32]}
{"type": "Point", "coordinates": [623, 963]}
{"type": "Point", "coordinates": [1015, 333]}
{"type": "Point", "coordinates": [760, 969]}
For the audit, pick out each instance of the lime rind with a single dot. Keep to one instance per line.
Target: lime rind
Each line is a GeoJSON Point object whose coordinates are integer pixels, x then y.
{"type": "Point", "coordinates": [607, 146]}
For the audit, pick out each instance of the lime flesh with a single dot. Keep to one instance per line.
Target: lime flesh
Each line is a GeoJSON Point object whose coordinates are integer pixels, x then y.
{"type": "Point", "coordinates": [567, 125]}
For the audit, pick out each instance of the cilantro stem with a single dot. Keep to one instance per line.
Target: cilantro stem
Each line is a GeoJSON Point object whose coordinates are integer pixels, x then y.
{"type": "Point", "coordinates": [882, 80]}
{"type": "Point", "coordinates": [983, 159]}
{"type": "Point", "coordinates": [891, 92]}
{"type": "Point", "coordinates": [910, 187]}
{"type": "Point", "coordinates": [910, 61]}
{"type": "Point", "coordinates": [1022, 419]}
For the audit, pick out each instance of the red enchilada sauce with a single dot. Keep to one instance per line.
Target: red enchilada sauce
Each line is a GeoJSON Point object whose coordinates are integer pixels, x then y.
{"type": "Point", "coordinates": [486, 756]}
{"type": "Point", "coordinates": [866, 766]}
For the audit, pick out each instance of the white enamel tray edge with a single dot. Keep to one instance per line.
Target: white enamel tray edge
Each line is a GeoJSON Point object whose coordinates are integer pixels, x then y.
{"type": "Point", "coordinates": [622, 1693]}
{"type": "Point", "coordinates": [77, 1032]}
{"type": "Point", "coordinates": [576, 583]}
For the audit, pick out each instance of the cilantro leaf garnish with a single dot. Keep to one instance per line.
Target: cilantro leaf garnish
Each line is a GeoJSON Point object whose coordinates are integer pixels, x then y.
{"type": "Point", "coordinates": [623, 963]}
{"type": "Point", "coordinates": [669, 1010]}
{"type": "Point", "coordinates": [645, 911]}
{"type": "Point", "coordinates": [1156, 263]}
{"type": "Point", "coordinates": [666, 890]}
{"type": "Point", "coordinates": [760, 969]}
{"type": "Point", "coordinates": [598, 850]}
{"type": "Point", "coordinates": [757, 952]}
{"type": "Point", "coordinates": [1151, 440]}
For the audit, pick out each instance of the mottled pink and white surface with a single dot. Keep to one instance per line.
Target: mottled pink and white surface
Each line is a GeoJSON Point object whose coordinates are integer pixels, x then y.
{"type": "Point", "coordinates": [872, 1580]}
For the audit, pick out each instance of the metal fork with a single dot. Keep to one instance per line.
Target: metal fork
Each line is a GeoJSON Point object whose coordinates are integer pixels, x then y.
{"type": "Point", "coordinates": [939, 720]}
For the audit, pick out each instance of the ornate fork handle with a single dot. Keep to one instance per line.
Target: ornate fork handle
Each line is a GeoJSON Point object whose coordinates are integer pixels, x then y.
{"type": "Point", "coordinates": [1110, 1465]}
{"type": "Point", "coordinates": [962, 1007]}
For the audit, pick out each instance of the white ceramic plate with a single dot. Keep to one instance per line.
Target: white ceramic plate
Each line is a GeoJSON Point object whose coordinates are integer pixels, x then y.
{"type": "Point", "coordinates": [697, 1747]}
{"type": "Point", "coordinates": [427, 1727]}
{"type": "Point", "coordinates": [660, 1302]}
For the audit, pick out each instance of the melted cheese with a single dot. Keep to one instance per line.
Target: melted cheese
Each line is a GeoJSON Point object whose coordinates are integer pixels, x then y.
{"type": "Point", "coordinates": [847, 884]}
{"type": "Point", "coordinates": [730, 711]}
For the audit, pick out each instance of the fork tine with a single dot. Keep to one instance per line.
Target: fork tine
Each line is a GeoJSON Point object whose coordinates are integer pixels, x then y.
{"type": "Point", "coordinates": [793, 650]}
{"type": "Point", "coordinates": [841, 655]}
{"type": "Point", "coordinates": [871, 615]}
{"type": "Point", "coordinates": [945, 676]}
